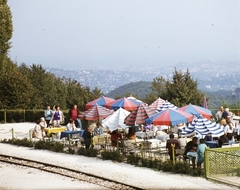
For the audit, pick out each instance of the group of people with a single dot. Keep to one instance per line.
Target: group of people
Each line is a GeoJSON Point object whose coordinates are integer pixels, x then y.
{"type": "Point", "coordinates": [193, 150]}
{"type": "Point", "coordinates": [231, 128]}
{"type": "Point", "coordinates": [55, 118]}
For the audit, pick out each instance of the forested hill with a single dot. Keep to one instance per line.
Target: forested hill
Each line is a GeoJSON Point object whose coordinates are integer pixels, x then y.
{"type": "Point", "coordinates": [142, 89]}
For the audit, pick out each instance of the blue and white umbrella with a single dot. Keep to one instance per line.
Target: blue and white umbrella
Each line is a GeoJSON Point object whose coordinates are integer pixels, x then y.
{"type": "Point", "coordinates": [202, 126]}
{"type": "Point", "coordinates": [167, 105]}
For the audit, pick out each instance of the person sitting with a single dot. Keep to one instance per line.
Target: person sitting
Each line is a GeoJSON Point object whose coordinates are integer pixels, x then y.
{"type": "Point", "coordinates": [131, 135]}
{"type": "Point", "coordinates": [190, 150]}
{"type": "Point", "coordinates": [147, 127]}
{"type": "Point", "coordinates": [182, 141]}
{"type": "Point", "coordinates": [87, 136]}
{"type": "Point", "coordinates": [71, 126]}
{"type": "Point", "coordinates": [115, 137]}
{"type": "Point", "coordinates": [37, 130]}
{"type": "Point", "coordinates": [98, 130]}
{"type": "Point", "coordinates": [170, 144]}
{"type": "Point", "coordinates": [43, 125]}
{"type": "Point", "coordinates": [200, 151]}
{"type": "Point", "coordinates": [208, 137]}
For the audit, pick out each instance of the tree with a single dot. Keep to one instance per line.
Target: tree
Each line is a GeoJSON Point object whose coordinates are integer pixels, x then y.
{"type": "Point", "coordinates": [16, 90]}
{"type": "Point", "coordinates": [6, 27]}
{"type": "Point", "coordinates": [181, 90]}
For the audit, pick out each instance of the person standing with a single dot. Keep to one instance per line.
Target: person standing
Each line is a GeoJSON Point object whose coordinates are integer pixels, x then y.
{"type": "Point", "coordinates": [57, 117]}
{"type": "Point", "coordinates": [73, 115]}
{"type": "Point", "coordinates": [48, 115]}
{"type": "Point", "coordinates": [219, 113]}
{"type": "Point", "coordinates": [87, 136]}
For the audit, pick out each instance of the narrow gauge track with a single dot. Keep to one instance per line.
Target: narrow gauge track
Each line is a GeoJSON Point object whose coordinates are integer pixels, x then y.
{"type": "Point", "coordinates": [67, 172]}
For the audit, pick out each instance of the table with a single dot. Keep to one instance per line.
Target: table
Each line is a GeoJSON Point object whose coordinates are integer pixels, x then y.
{"type": "Point", "coordinates": [211, 144]}
{"type": "Point", "coordinates": [49, 131]}
{"type": "Point", "coordinates": [101, 139]}
{"type": "Point", "coordinates": [155, 143]}
{"type": "Point", "coordinates": [143, 135]}
{"type": "Point", "coordinates": [71, 133]}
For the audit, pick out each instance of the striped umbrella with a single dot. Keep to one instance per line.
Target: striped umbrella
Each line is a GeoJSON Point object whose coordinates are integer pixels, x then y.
{"type": "Point", "coordinates": [170, 117]}
{"type": "Point", "coordinates": [197, 111]}
{"type": "Point", "coordinates": [166, 105]}
{"type": "Point", "coordinates": [139, 115]}
{"type": "Point", "coordinates": [100, 101]}
{"type": "Point", "coordinates": [124, 103]}
{"type": "Point", "coordinates": [203, 126]}
{"type": "Point", "coordinates": [156, 104]}
{"type": "Point", "coordinates": [116, 120]}
{"type": "Point", "coordinates": [96, 112]}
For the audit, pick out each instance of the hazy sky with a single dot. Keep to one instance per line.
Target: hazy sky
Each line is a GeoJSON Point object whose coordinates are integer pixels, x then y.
{"type": "Point", "coordinates": [93, 34]}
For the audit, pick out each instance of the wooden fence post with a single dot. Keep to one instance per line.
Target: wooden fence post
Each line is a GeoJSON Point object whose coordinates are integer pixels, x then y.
{"type": "Point", "coordinates": [12, 134]}
{"type": "Point", "coordinates": [5, 116]}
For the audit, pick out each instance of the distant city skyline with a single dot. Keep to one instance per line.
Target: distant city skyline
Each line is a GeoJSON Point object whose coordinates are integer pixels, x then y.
{"type": "Point", "coordinates": [118, 34]}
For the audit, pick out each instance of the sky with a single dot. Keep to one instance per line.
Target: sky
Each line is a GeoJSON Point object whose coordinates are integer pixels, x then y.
{"type": "Point", "coordinates": [77, 34]}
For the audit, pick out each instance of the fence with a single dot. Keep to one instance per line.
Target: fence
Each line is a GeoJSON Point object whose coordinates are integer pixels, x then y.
{"type": "Point", "coordinates": [223, 165]}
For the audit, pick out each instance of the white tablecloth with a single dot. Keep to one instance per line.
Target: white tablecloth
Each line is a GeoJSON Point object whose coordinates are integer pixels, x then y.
{"type": "Point", "coordinates": [146, 134]}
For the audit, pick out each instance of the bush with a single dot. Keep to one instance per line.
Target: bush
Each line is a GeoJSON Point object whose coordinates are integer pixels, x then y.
{"type": "Point", "coordinates": [81, 151]}
{"type": "Point", "coordinates": [167, 166]}
{"type": "Point", "coordinates": [112, 155]}
{"type": "Point", "coordinates": [89, 152]}
{"type": "Point", "coordinates": [19, 142]}
{"type": "Point", "coordinates": [133, 159]}
{"type": "Point", "coordinates": [196, 172]}
{"type": "Point", "coordinates": [53, 146]}
{"type": "Point", "coordinates": [181, 167]}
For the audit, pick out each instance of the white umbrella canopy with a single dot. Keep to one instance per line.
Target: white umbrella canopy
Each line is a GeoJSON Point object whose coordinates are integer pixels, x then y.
{"type": "Point", "coordinates": [116, 120]}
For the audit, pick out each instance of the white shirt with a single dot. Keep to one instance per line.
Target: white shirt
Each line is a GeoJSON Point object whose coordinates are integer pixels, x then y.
{"type": "Point", "coordinates": [71, 127]}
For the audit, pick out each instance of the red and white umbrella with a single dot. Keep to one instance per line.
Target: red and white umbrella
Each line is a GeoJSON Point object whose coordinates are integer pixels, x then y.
{"type": "Point", "coordinates": [139, 115]}
{"type": "Point", "coordinates": [100, 101]}
{"type": "Point", "coordinates": [96, 112]}
{"type": "Point", "coordinates": [170, 117]}
{"type": "Point", "coordinates": [156, 104]}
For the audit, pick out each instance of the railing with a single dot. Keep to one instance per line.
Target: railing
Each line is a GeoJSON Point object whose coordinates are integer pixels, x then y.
{"type": "Point", "coordinates": [223, 164]}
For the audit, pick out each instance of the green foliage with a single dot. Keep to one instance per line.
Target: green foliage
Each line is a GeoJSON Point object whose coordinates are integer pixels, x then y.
{"type": "Point", "coordinates": [139, 89]}
{"type": "Point", "coordinates": [47, 145]}
{"type": "Point", "coordinates": [19, 142]}
{"type": "Point", "coordinates": [182, 90]}
{"type": "Point", "coordinates": [6, 27]}
{"type": "Point", "coordinates": [89, 152]}
{"type": "Point", "coordinates": [133, 159]}
{"type": "Point", "coordinates": [181, 167]}
{"type": "Point", "coordinates": [168, 166]}
{"type": "Point", "coordinates": [112, 155]}
{"type": "Point", "coordinates": [81, 151]}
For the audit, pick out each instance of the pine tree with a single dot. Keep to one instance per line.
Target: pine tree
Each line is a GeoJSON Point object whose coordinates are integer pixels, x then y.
{"type": "Point", "coordinates": [6, 27]}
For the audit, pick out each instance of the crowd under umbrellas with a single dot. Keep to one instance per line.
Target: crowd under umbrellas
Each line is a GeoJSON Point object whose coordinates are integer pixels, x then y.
{"type": "Point", "coordinates": [128, 113]}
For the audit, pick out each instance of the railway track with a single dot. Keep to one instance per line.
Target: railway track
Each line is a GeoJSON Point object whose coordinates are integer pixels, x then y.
{"type": "Point", "coordinates": [67, 172]}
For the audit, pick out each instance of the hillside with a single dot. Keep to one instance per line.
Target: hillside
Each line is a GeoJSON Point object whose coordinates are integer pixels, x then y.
{"type": "Point", "coordinates": [142, 89]}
